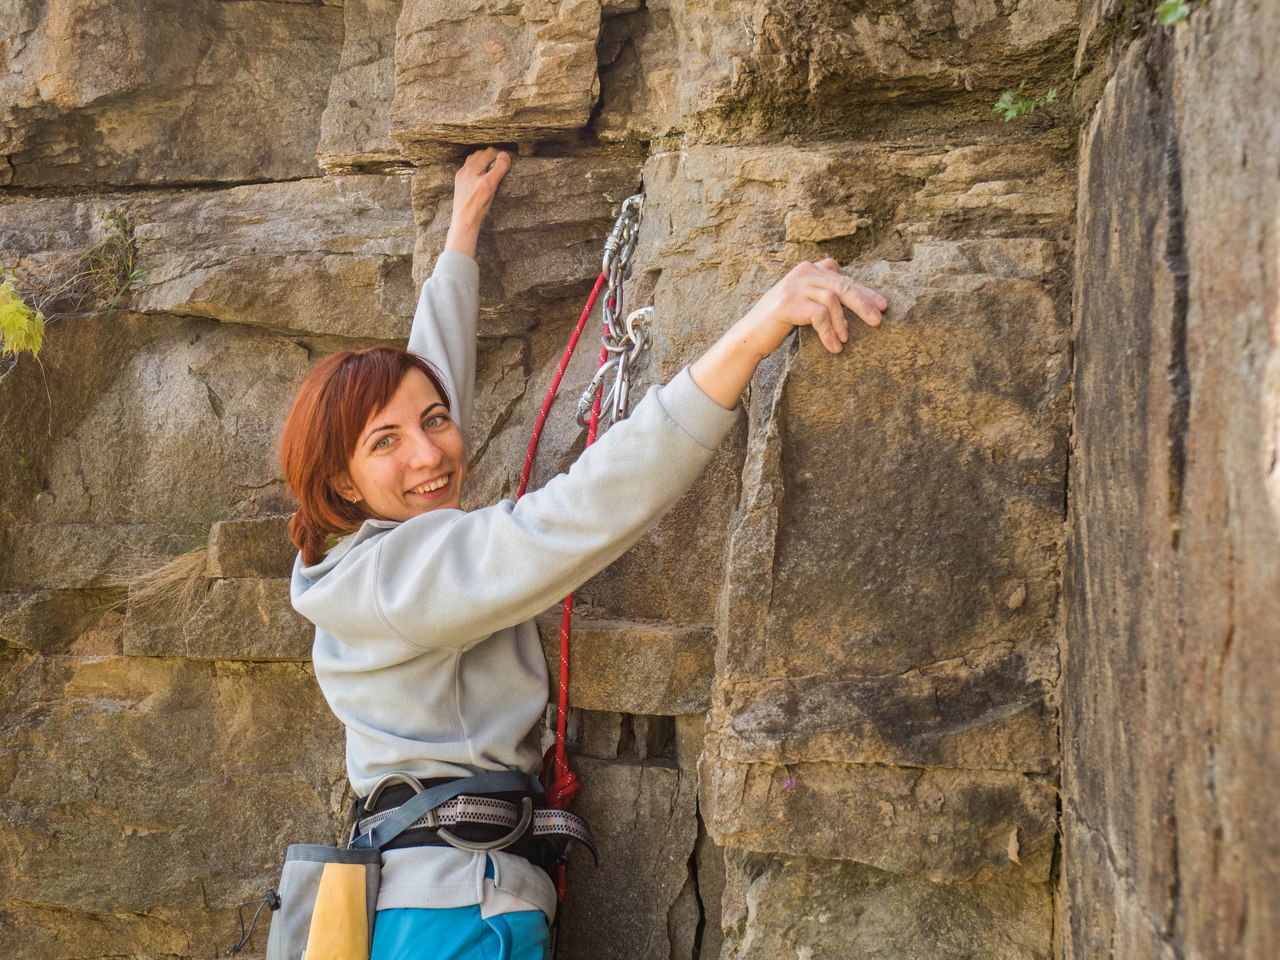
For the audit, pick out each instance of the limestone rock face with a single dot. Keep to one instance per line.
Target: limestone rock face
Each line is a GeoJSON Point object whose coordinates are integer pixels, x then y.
{"type": "Point", "coordinates": [544, 236]}
{"type": "Point", "coordinates": [1173, 581]}
{"type": "Point", "coordinates": [483, 71]}
{"type": "Point", "coordinates": [192, 396]}
{"type": "Point", "coordinates": [730, 71]}
{"type": "Point", "coordinates": [258, 547]}
{"type": "Point", "coordinates": [355, 130]}
{"type": "Point", "coordinates": [642, 815]}
{"type": "Point", "coordinates": [672, 679]}
{"type": "Point", "coordinates": [321, 256]}
{"type": "Point", "coordinates": [957, 406]}
{"type": "Point", "coordinates": [140, 92]}
{"type": "Point", "coordinates": [816, 709]}
{"type": "Point", "coordinates": [155, 759]}
{"type": "Point", "coordinates": [792, 906]}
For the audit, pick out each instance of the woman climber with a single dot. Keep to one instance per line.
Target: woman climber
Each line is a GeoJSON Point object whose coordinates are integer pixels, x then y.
{"type": "Point", "coordinates": [425, 647]}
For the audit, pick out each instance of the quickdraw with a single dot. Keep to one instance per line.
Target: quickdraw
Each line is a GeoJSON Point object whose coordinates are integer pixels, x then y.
{"type": "Point", "coordinates": [621, 344]}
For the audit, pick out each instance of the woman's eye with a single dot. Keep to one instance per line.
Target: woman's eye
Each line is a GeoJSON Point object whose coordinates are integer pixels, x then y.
{"type": "Point", "coordinates": [383, 443]}
{"type": "Point", "coordinates": [438, 420]}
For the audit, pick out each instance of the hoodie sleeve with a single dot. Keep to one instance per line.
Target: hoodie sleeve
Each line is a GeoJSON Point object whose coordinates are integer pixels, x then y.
{"type": "Point", "coordinates": [448, 579]}
{"type": "Point", "coordinates": [444, 329]}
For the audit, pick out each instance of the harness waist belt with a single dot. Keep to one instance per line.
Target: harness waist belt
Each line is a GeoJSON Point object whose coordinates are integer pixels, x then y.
{"type": "Point", "coordinates": [490, 812]}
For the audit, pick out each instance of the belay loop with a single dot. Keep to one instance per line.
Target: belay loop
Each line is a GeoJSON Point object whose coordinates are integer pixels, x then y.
{"type": "Point", "coordinates": [621, 344]}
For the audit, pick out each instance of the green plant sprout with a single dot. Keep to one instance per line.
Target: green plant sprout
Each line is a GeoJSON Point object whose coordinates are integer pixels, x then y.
{"type": "Point", "coordinates": [1012, 104]}
{"type": "Point", "coordinates": [106, 271]}
{"type": "Point", "coordinates": [1172, 11]}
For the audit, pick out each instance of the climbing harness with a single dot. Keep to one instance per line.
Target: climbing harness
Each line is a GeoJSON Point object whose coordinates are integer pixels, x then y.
{"type": "Point", "coordinates": [328, 895]}
{"type": "Point", "coordinates": [513, 811]}
{"type": "Point", "coordinates": [621, 344]}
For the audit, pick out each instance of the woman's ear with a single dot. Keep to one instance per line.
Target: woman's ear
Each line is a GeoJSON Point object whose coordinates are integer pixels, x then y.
{"type": "Point", "coordinates": [344, 488]}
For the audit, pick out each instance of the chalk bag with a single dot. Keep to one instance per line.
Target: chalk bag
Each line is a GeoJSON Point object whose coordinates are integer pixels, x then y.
{"type": "Point", "coordinates": [328, 896]}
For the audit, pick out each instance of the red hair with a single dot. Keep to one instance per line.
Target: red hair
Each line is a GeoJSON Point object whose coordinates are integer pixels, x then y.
{"type": "Point", "coordinates": [335, 401]}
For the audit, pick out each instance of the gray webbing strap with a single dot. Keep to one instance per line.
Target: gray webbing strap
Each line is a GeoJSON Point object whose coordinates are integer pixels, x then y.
{"type": "Point", "coordinates": [491, 781]}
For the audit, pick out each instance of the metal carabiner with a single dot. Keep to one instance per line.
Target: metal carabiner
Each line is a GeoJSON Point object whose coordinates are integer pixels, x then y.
{"type": "Point", "coordinates": [588, 398]}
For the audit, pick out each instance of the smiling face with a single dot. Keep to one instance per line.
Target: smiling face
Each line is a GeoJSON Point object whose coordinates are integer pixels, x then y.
{"type": "Point", "coordinates": [409, 458]}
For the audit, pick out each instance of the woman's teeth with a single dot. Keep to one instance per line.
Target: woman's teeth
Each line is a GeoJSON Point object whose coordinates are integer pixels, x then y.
{"type": "Point", "coordinates": [429, 487]}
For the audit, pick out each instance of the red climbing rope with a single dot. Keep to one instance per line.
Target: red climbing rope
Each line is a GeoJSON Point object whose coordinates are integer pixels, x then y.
{"type": "Point", "coordinates": [562, 784]}
{"type": "Point", "coordinates": [555, 384]}
{"type": "Point", "coordinates": [558, 780]}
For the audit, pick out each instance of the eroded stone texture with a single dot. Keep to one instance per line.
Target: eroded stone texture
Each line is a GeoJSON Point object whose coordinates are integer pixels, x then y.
{"type": "Point", "coordinates": [643, 818]}
{"type": "Point", "coordinates": [730, 71]}
{"type": "Point", "coordinates": [326, 256]}
{"type": "Point", "coordinates": [240, 619]}
{"type": "Point", "coordinates": [120, 775]}
{"type": "Point", "coordinates": [329, 257]}
{"type": "Point", "coordinates": [542, 240]}
{"type": "Point", "coordinates": [918, 632]}
{"type": "Point", "coordinates": [192, 399]}
{"type": "Point", "coordinates": [355, 130]}
{"type": "Point", "coordinates": [79, 622]}
{"type": "Point", "coordinates": [671, 676]}
{"type": "Point", "coordinates": [938, 823]}
{"type": "Point", "coordinates": [256, 547]}
{"type": "Point", "coordinates": [824, 910]}
{"type": "Point", "coordinates": [1173, 582]}
{"type": "Point", "coordinates": [99, 91]}
{"type": "Point", "coordinates": [486, 71]}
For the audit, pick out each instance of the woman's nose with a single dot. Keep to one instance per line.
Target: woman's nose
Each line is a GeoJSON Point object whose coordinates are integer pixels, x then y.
{"type": "Point", "coordinates": [426, 452]}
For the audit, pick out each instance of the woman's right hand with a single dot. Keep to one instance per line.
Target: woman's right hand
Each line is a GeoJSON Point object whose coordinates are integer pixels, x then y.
{"type": "Point", "coordinates": [474, 187]}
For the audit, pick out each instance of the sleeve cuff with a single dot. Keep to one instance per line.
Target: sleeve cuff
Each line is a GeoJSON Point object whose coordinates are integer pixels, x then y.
{"type": "Point", "coordinates": [457, 265]}
{"type": "Point", "coordinates": [696, 413]}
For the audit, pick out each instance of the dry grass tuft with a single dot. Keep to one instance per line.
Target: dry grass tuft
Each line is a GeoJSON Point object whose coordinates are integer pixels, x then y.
{"type": "Point", "coordinates": [169, 594]}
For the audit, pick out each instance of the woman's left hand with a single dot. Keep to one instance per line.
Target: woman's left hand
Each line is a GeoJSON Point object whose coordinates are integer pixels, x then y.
{"type": "Point", "coordinates": [811, 295]}
{"type": "Point", "coordinates": [474, 187]}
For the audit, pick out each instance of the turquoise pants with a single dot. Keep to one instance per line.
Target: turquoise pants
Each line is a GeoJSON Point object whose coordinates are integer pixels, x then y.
{"type": "Point", "coordinates": [460, 933]}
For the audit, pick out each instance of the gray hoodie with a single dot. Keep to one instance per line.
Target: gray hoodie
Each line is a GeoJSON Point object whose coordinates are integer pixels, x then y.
{"type": "Point", "coordinates": [425, 646]}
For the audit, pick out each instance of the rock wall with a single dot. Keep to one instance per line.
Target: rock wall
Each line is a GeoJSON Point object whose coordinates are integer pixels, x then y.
{"type": "Point", "coordinates": [1173, 577]}
{"type": "Point", "coordinates": [816, 710]}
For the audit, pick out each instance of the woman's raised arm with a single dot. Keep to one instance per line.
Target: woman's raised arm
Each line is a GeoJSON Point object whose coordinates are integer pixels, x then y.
{"type": "Point", "coordinates": [444, 324]}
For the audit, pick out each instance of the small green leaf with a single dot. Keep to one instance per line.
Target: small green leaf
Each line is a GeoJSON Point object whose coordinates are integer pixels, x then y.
{"type": "Point", "coordinates": [1171, 12]}
{"type": "Point", "coordinates": [21, 325]}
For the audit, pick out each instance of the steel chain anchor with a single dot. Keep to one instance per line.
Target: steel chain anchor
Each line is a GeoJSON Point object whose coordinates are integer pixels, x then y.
{"type": "Point", "coordinates": [622, 342]}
